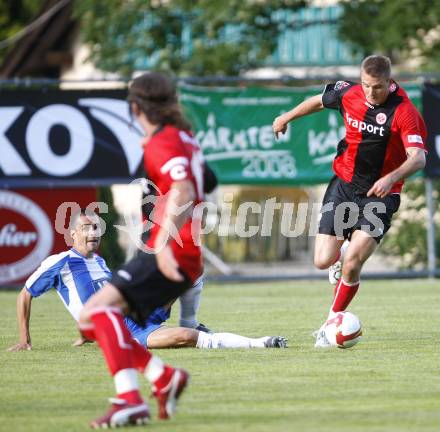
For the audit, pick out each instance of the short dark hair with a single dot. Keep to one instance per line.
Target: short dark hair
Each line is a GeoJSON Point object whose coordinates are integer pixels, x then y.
{"type": "Point", "coordinates": [156, 96]}
{"type": "Point", "coordinates": [75, 217]}
{"type": "Point", "coordinates": [377, 66]}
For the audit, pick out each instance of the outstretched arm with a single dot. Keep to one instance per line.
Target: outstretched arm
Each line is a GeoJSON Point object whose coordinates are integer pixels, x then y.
{"type": "Point", "coordinates": [416, 160]}
{"type": "Point", "coordinates": [24, 300]}
{"type": "Point", "coordinates": [309, 106]}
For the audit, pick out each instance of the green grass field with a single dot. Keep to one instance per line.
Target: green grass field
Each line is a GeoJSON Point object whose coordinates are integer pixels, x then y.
{"type": "Point", "coordinates": [388, 382]}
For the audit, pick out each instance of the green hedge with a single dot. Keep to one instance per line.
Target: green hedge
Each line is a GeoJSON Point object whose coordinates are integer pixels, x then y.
{"type": "Point", "coordinates": [406, 240]}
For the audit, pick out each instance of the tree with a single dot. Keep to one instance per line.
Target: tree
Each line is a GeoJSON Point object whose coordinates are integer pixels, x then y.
{"type": "Point", "coordinates": [200, 38]}
{"type": "Point", "coordinates": [406, 240]}
{"type": "Point", "coordinates": [401, 29]}
{"type": "Point", "coordinates": [14, 15]}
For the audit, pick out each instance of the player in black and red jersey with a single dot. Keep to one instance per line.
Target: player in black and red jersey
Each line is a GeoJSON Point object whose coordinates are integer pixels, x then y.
{"type": "Point", "coordinates": [170, 265]}
{"type": "Point", "coordinates": [190, 300]}
{"type": "Point", "coordinates": [384, 143]}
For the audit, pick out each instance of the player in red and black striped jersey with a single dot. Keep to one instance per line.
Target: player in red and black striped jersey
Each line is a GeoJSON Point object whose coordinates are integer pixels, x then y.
{"type": "Point", "coordinates": [169, 265]}
{"type": "Point", "coordinates": [384, 144]}
{"type": "Point", "coordinates": [190, 300]}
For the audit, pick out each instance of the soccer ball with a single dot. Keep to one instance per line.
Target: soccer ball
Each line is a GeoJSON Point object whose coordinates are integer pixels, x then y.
{"type": "Point", "coordinates": [344, 330]}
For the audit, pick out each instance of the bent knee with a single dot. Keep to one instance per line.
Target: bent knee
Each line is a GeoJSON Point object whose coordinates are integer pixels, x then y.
{"type": "Point", "coordinates": [324, 258]}
{"type": "Point", "coordinates": [323, 262]}
{"type": "Point", "coordinates": [187, 337]}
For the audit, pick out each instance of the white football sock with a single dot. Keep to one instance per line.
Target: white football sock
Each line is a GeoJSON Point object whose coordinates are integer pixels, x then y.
{"type": "Point", "coordinates": [189, 305]}
{"type": "Point", "coordinates": [228, 340]}
{"type": "Point", "coordinates": [331, 314]}
{"type": "Point", "coordinates": [126, 380]}
{"type": "Point", "coordinates": [154, 369]}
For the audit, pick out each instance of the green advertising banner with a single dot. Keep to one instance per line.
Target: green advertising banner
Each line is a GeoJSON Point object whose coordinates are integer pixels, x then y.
{"type": "Point", "coordinates": [234, 129]}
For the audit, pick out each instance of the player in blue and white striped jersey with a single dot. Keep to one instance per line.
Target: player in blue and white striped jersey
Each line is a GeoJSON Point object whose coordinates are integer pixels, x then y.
{"type": "Point", "coordinates": [78, 273]}
{"type": "Point", "coordinates": [75, 274]}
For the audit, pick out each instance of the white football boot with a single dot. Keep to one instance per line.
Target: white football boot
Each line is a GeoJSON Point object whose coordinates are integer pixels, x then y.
{"type": "Point", "coordinates": [321, 338]}
{"type": "Point", "coordinates": [335, 270]}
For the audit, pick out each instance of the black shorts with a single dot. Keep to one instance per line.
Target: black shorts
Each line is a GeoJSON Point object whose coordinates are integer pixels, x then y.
{"type": "Point", "coordinates": [343, 211]}
{"type": "Point", "coordinates": [144, 287]}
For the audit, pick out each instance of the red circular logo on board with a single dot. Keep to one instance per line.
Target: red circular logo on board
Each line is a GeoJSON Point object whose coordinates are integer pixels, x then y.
{"type": "Point", "coordinates": [18, 236]}
{"type": "Point", "coordinates": [26, 236]}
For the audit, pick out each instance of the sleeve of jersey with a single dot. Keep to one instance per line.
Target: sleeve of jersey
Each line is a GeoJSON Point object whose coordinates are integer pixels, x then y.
{"type": "Point", "coordinates": [44, 278]}
{"type": "Point", "coordinates": [412, 127]}
{"type": "Point", "coordinates": [168, 165]}
{"type": "Point", "coordinates": [331, 96]}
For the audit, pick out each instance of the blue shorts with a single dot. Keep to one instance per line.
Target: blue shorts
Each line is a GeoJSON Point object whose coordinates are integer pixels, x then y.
{"type": "Point", "coordinates": [154, 321]}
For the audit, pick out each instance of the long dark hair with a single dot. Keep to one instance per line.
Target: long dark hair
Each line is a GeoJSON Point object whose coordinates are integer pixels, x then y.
{"type": "Point", "coordinates": [155, 95]}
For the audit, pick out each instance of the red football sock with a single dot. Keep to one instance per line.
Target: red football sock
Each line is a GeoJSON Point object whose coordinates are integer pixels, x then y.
{"type": "Point", "coordinates": [114, 339]}
{"type": "Point", "coordinates": [164, 379]}
{"type": "Point", "coordinates": [132, 397]}
{"type": "Point", "coordinates": [344, 295]}
{"type": "Point", "coordinates": [151, 366]}
{"type": "Point", "coordinates": [141, 356]}
{"type": "Point", "coordinates": [116, 344]}
{"type": "Point", "coordinates": [87, 332]}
